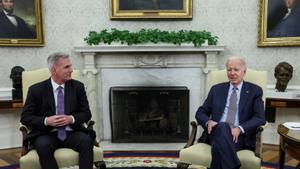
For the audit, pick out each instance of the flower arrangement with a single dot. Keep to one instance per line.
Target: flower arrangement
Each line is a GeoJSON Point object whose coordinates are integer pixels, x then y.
{"type": "Point", "coordinates": [198, 38]}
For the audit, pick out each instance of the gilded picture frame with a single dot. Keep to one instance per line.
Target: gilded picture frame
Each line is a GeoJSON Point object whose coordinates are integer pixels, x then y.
{"type": "Point", "coordinates": [151, 9]}
{"type": "Point", "coordinates": [21, 23]}
{"type": "Point", "coordinates": [278, 23]}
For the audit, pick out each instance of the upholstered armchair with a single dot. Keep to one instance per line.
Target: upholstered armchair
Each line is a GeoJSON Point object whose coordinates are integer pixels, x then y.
{"type": "Point", "coordinates": [65, 157]}
{"type": "Point", "coordinates": [200, 153]}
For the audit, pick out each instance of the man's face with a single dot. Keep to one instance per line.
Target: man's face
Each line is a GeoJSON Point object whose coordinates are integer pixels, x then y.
{"type": "Point", "coordinates": [283, 76]}
{"type": "Point", "coordinates": [289, 3]}
{"type": "Point", "coordinates": [8, 5]}
{"type": "Point", "coordinates": [235, 71]}
{"type": "Point", "coordinates": [62, 70]}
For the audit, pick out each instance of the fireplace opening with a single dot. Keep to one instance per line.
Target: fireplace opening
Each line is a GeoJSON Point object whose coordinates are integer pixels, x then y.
{"type": "Point", "coordinates": [149, 114]}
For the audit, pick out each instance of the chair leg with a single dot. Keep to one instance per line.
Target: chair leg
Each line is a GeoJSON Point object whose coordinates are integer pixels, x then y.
{"type": "Point", "coordinates": [298, 166]}
{"type": "Point", "coordinates": [100, 165]}
{"type": "Point", "coordinates": [181, 165]}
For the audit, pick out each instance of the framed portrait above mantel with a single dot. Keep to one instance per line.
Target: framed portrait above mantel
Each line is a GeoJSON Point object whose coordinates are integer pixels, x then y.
{"type": "Point", "coordinates": [21, 23]}
{"type": "Point", "coordinates": [151, 9]}
{"type": "Point", "coordinates": [278, 23]}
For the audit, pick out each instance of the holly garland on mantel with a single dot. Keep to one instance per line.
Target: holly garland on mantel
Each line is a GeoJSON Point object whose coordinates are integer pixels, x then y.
{"type": "Point", "coordinates": [155, 36]}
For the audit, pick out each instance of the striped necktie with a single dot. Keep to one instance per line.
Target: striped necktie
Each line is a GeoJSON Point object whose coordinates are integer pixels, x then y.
{"type": "Point", "coordinates": [232, 108]}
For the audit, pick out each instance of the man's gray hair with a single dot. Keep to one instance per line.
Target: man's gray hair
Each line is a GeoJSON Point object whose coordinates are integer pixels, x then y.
{"type": "Point", "coordinates": [53, 58]}
{"type": "Point", "coordinates": [242, 60]}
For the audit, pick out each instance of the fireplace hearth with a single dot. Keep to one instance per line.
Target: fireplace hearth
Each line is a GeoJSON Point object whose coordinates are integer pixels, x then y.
{"type": "Point", "coordinates": [149, 114]}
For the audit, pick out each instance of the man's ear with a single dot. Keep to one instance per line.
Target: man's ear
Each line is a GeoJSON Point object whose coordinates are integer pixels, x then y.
{"type": "Point", "coordinates": [52, 70]}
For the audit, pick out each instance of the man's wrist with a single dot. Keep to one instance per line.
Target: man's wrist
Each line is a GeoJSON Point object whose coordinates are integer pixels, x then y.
{"type": "Point", "coordinates": [73, 119]}
{"type": "Point", "coordinates": [241, 128]}
{"type": "Point", "coordinates": [206, 124]}
{"type": "Point", "coordinates": [45, 121]}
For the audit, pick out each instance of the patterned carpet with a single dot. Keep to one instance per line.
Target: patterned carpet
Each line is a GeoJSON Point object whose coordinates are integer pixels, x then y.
{"type": "Point", "coordinates": [126, 159]}
{"type": "Point", "coordinates": [146, 163]}
{"type": "Point", "coordinates": [116, 159]}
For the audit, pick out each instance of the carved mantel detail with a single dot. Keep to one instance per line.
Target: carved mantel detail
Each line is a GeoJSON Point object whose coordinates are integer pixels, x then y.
{"type": "Point", "coordinates": [139, 56]}
{"type": "Point", "coordinates": [151, 61]}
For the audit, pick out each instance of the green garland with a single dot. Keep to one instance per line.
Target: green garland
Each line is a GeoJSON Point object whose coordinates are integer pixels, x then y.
{"type": "Point", "coordinates": [151, 36]}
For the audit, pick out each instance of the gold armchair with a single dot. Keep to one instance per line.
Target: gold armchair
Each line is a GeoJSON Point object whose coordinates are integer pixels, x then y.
{"type": "Point", "coordinates": [65, 157]}
{"type": "Point", "coordinates": [200, 153]}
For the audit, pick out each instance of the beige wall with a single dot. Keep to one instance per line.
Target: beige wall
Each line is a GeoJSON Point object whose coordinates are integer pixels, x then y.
{"type": "Point", "coordinates": [67, 22]}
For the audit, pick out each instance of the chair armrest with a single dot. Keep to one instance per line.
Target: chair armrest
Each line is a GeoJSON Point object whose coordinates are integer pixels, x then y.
{"type": "Point", "coordinates": [25, 144]}
{"type": "Point", "coordinates": [258, 144]}
{"type": "Point", "coordinates": [193, 134]}
{"type": "Point", "coordinates": [25, 130]}
{"type": "Point", "coordinates": [90, 126]}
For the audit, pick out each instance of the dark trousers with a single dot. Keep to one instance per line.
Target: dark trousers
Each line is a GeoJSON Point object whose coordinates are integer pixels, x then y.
{"type": "Point", "coordinates": [76, 140]}
{"type": "Point", "coordinates": [223, 149]}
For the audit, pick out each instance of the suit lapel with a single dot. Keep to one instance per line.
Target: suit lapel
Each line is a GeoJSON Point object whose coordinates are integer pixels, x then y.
{"type": "Point", "coordinates": [243, 97]}
{"type": "Point", "coordinates": [223, 95]}
{"type": "Point", "coordinates": [8, 23]}
{"type": "Point", "coordinates": [50, 95]}
{"type": "Point", "coordinates": [68, 96]}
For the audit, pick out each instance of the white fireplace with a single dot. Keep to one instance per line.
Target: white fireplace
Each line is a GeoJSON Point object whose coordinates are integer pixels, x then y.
{"type": "Point", "coordinates": [144, 65]}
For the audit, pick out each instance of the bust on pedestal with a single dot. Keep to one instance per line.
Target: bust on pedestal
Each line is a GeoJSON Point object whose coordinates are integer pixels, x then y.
{"type": "Point", "coordinates": [16, 76]}
{"type": "Point", "coordinates": [283, 74]}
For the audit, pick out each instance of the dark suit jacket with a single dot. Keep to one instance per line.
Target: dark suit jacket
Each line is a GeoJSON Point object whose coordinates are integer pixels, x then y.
{"type": "Point", "coordinates": [251, 108]}
{"type": "Point", "coordinates": [276, 11]}
{"type": "Point", "coordinates": [8, 30]}
{"type": "Point", "coordinates": [288, 27]}
{"type": "Point", "coordinates": [40, 103]}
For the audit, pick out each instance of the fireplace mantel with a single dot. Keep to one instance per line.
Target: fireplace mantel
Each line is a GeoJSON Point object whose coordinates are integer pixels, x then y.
{"type": "Point", "coordinates": [147, 48]}
{"type": "Point", "coordinates": [139, 56]}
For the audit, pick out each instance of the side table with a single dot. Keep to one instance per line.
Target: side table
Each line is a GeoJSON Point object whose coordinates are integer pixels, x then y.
{"type": "Point", "coordinates": [11, 104]}
{"type": "Point", "coordinates": [289, 143]}
{"type": "Point", "coordinates": [273, 103]}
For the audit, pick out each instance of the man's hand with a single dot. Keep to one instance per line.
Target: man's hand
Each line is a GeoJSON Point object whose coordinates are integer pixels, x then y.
{"type": "Point", "coordinates": [210, 125]}
{"type": "Point", "coordinates": [58, 120]}
{"type": "Point", "coordinates": [235, 133]}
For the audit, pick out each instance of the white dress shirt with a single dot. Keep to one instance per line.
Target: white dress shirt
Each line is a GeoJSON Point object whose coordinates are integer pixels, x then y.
{"type": "Point", "coordinates": [11, 18]}
{"type": "Point", "coordinates": [224, 116]}
{"type": "Point", "coordinates": [55, 92]}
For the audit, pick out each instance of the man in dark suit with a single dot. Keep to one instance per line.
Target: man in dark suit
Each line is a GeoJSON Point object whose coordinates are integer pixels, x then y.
{"type": "Point", "coordinates": [230, 116]}
{"type": "Point", "coordinates": [287, 25]}
{"type": "Point", "coordinates": [13, 26]}
{"type": "Point", "coordinates": [55, 109]}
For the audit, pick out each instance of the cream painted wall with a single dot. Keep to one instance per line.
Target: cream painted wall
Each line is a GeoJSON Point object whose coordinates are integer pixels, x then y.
{"type": "Point", "coordinates": [67, 22]}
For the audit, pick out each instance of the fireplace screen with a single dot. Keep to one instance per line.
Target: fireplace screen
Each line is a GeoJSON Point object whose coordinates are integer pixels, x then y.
{"type": "Point", "coordinates": [149, 114]}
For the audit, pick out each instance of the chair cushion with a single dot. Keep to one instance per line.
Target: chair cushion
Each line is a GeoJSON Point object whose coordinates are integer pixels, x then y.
{"type": "Point", "coordinates": [258, 77]}
{"type": "Point", "coordinates": [64, 156]}
{"type": "Point", "coordinates": [200, 154]}
{"type": "Point", "coordinates": [249, 160]}
{"type": "Point", "coordinates": [31, 77]}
